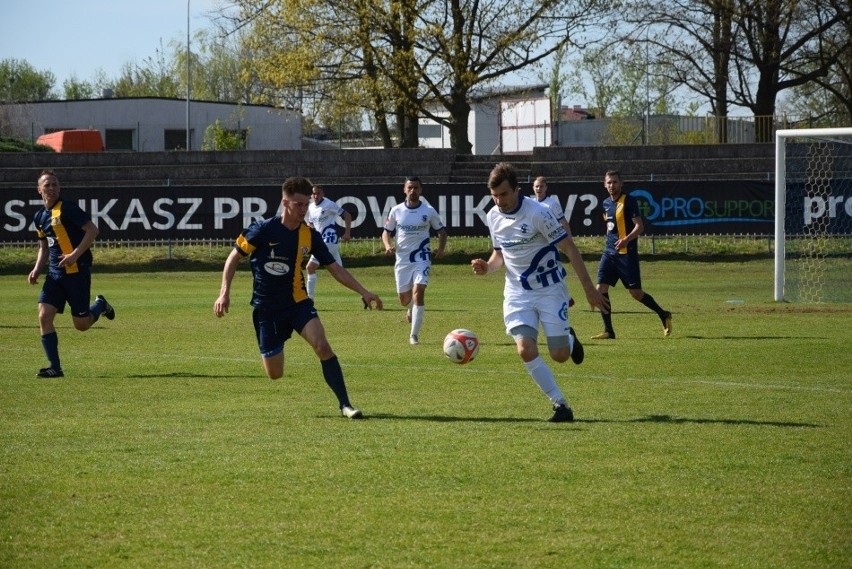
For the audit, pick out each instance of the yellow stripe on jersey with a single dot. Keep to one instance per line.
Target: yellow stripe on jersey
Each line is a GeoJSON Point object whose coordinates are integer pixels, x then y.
{"type": "Point", "coordinates": [62, 237]}
{"type": "Point", "coordinates": [244, 245]}
{"type": "Point", "coordinates": [620, 223]}
{"type": "Point", "coordinates": [303, 249]}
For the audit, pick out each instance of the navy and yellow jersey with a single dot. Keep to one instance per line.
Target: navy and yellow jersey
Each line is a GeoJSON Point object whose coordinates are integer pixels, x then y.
{"type": "Point", "coordinates": [62, 227]}
{"type": "Point", "coordinates": [277, 257]}
{"type": "Point", "coordinates": [618, 217]}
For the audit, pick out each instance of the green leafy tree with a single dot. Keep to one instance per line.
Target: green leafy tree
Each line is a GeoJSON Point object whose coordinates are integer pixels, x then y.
{"type": "Point", "coordinates": [74, 90]}
{"type": "Point", "coordinates": [21, 82]}
{"type": "Point", "coordinates": [156, 76]}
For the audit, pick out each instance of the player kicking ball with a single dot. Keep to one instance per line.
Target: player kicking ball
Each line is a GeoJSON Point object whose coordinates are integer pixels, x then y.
{"type": "Point", "coordinates": [527, 238]}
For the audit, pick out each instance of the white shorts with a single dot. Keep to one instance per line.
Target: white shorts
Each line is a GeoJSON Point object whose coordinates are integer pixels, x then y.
{"type": "Point", "coordinates": [409, 274]}
{"type": "Point", "coordinates": [334, 249]}
{"type": "Point", "coordinates": [548, 307]}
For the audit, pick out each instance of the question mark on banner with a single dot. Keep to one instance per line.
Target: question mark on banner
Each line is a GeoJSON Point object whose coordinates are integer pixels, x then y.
{"type": "Point", "coordinates": [593, 203]}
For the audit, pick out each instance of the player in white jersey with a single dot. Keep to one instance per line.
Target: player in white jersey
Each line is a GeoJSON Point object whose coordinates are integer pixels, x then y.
{"type": "Point", "coordinates": [550, 202]}
{"type": "Point", "coordinates": [410, 223]}
{"type": "Point", "coordinates": [322, 216]}
{"type": "Point", "coordinates": [527, 239]}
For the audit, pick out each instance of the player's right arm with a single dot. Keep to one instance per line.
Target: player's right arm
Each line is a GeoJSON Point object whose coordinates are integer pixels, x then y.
{"type": "Point", "coordinates": [483, 267]}
{"type": "Point", "coordinates": [223, 303]}
{"type": "Point", "coordinates": [386, 241]}
{"type": "Point", "coordinates": [41, 261]}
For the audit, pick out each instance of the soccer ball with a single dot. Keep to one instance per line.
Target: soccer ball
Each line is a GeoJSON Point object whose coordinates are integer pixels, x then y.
{"type": "Point", "coordinates": [461, 346]}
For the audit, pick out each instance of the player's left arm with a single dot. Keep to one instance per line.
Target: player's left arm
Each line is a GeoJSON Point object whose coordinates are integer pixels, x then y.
{"type": "Point", "coordinates": [593, 295]}
{"type": "Point", "coordinates": [91, 233]}
{"type": "Point", "coordinates": [442, 243]}
{"type": "Point", "coordinates": [345, 278]}
{"type": "Point", "coordinates": [347, 225]}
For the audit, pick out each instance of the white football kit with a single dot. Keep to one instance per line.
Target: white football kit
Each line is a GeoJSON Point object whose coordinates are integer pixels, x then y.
{"type": "Point", "coordinates": [413, 252]}
{"type": "Point", "coordinates": [552, 203]}
{"type": "Point", "coordinates": [535, 289]}
{"type": "Point", "coordinates": [323, 218]}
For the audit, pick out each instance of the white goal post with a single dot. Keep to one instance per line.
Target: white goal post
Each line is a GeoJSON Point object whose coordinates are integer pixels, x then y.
{"type": "Point", "coordinates": [813, 214]}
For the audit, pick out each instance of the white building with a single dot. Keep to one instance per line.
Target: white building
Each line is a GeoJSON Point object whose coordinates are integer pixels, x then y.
{"type": "Point", "coordinates": [501, 121]}
{"type": "Point", "coordinates": [148, 124]}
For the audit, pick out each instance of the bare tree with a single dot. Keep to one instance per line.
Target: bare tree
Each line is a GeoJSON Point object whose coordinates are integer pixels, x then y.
{"type": "Point", "coordinates": [783, 42]}
{"type": "Point", "coordinates": [696, 38]}
{"type": "Point", "coordinates": [744, 52]}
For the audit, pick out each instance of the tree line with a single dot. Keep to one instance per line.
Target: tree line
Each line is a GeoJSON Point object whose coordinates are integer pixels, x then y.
{"type": "Point", "coordinates": [387, 63]}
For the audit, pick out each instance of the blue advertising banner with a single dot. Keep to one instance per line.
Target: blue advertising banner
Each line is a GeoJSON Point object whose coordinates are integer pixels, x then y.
{"type": "Point", "coordinates": [221, 212]}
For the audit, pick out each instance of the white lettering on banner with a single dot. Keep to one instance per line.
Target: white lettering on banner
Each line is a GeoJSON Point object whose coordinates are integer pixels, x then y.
{"type": "Point", "coordinates": [380, 216]}
{"type": "Point", "coordinates": [569, 206]}
{"type": "Point", "coordinates": [195, 203]}
{"type": "Point", "coordinates": [454, 210]}
{"type": "Point", "coordinates": [360, 210]}
{"type": "Point", "coordinates": [219, 212]}
{"type": "Point", "coordinates": [98, 214]}
{"type": "Point", "coordinates": [479, 210]}
{"type": "Point", "coordinates": [815, 207]}
{"type": "Point", "coordinates": [160, 210]}
{"type": "Point", "coordinates": [135, 207]}
{"type": "Point", "coordinates": [14, 215]}
{"type": "Point", "coordinates": [253, 209]}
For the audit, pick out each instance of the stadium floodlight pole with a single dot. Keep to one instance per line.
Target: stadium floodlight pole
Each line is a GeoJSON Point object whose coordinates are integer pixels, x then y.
{"type": "Point", "coordinates": [187, 76]}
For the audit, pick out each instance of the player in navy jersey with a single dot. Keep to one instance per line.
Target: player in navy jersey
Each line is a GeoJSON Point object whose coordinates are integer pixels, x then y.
{"type": "Point", "coordinates": [278, 249]}
{"type": "Point", "coordinates": [65, 234]}
{"type": "Point", "coordinates": [620, 259]}
{"type": "Point", "coordinates": [527, 238]}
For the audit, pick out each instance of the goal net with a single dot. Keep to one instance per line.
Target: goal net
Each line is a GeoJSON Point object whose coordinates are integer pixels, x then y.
{"type": "Point", "coordinates": [813, 215]}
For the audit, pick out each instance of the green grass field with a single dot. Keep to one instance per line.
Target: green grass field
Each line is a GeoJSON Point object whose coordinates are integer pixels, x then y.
{"type": "Point", "coordinates": [725, 445]}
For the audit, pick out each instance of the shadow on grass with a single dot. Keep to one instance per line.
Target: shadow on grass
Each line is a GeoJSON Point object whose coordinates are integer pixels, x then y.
{"type": "Point", "coordinates": [686, 420]}
{"type": "Point", "coordinates": [668, 419]}
{"type": "Point", "coordinates": [447, 419]}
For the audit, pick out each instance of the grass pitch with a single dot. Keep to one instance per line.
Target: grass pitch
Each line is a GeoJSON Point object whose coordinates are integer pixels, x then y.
{"type": "Point", "coordinates": [725, 445]}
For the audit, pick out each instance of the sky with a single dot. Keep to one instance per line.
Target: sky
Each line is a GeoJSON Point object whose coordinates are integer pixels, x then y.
{"type": "Point", "coordinates": [76, 38]}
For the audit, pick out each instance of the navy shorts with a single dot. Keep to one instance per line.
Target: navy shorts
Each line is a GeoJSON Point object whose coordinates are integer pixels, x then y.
{"type": "Point", "coordinates": [625, 268]}
{"type": "Point", "coordinates": [274, 327]}
{"type": "Point", "coordinates": [75, 289]}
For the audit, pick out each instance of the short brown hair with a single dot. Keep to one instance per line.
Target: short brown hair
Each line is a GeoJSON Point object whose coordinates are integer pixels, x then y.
{"type": "Point", "coordinates": [503, 172]}
{"type": "Point", "coordinates": [296, 185]}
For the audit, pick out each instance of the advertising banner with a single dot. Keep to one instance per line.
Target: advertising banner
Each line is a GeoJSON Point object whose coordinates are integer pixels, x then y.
{"type": "Point", "coordinates": [221, 212]}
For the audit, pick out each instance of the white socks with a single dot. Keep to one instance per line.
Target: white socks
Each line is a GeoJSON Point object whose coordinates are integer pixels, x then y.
{"type": "Point", "coordinates": [417, 319]}
{"type": "Point", "coordinates": [312, 284]}
{"type": "Point", "coordinates": [543, 377]}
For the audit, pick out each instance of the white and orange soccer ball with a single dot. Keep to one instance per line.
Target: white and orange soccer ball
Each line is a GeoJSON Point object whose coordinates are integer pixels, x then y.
{"type": "Point", "coordinates": [461, 346]}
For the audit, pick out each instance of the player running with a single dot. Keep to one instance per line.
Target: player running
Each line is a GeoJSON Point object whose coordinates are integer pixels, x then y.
{"type": "Point", "coordinates": [65, 235]}
{"type": "Point", "coordinates": [410, 223]}
{"type": "Point", "coordinates": [277, 248]}
{"type": "Point", "coordinates": [322, 216]}
{"type": "Point", "coordinates": [620, 259]}
{"type": "Point", "coordinates": [525, 236]}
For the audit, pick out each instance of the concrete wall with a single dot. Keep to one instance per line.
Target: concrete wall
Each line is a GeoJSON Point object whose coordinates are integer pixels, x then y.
{"type": "Point", "coordinates": [374, 166]}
